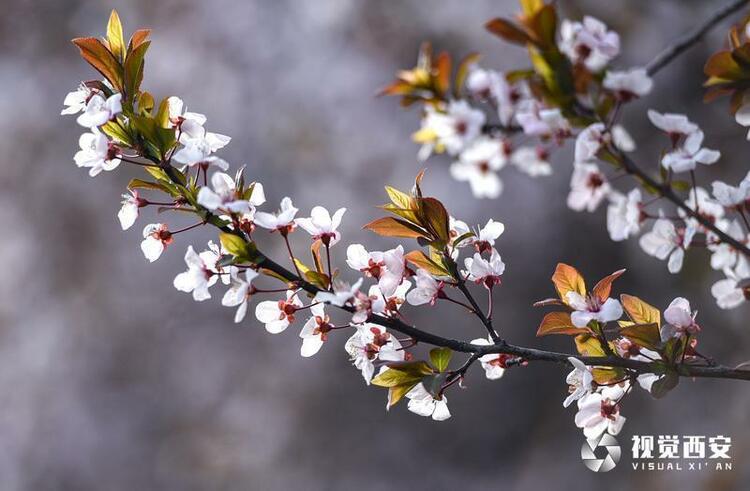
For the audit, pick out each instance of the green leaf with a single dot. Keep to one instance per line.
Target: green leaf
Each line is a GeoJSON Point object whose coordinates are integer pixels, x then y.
{"type": "Point", "coordinates": [646, 335]}
{"type": "Point", "coordinates": [440, 358]}
{"type": "Point", "coordinates": [141, 184]}
{"type": "Point", "coordinates": [397, 393]}
{"type": "Point", "coordinates": [457, 241]}
{"type": "Point", "coordinates": [420, 260]}
{"type": "Point", "coordinates": [134, 70]}
{"type": "Point", "coordinates": [662, 386]}
{"type": "Point", "coordinates": [245, 251]}
{"type": "Point", "coordinates": [114, 130]}
{"type": "Point", "coordinates": [400, 373]}
{"type": "Point", "coordinates": [233, 244]}
{"type": "Point", "coordinates": [462, 72]}
{"type": "Point", "coordinates": [434, 384]}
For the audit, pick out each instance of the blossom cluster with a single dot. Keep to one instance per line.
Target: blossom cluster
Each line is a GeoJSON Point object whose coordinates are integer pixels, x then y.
{"type": "Point", "coordinates": [452, 260]}
{"type": "Point", "coordinates": [477, 121]}
{"type": "Point", "coordinates": [644, 335]}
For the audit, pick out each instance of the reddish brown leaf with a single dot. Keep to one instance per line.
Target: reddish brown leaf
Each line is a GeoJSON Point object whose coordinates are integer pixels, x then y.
{"type": "Point", "coordinates": [558, 323]}
{"type": "Point", "coordinates": [93, 51]}
{"type": "Point", "coordinates": [443, 77]}
{"type": "Point", "coordinates": [508, 31]}
{"type": "Point", "coordinates": [138, 38]}
{"type": "Point", "coordinates": [393, 227]}
{"type": "Point", "coordinates": [604, 287]}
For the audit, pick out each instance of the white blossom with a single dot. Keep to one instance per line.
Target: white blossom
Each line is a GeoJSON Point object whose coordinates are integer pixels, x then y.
{"type": "Point", "coordinates": [628, 84]}
{"type": "Point", "coordinates": [589, 43]}
{"type": "Point", "coordinates": [156, 237]}
{"type": "Point", "coordinates": [590, 141]}
{"type": "Point", "coordinates": [478, 164]}
{"type": "Point", "coordinates": [588, 187]}
{"type": "Point", "coordinates": [708, 208]}
{"type": "Point", "coordinates": [224, 195]}
{"type": "Point", "coordinates": [315, 331]}
{"type": "Point", "coordinates": [427, 289]}
{"type": "Point", "coordinates": [359, 259]}
{"type": "Point", "coordinates": [341, 295]}
{"type": "Point", "coordinates": [486, 236]}
{"type": "Point", "coordinates": [536, 120]}
{"type": "Point", "coordinates": [592, 308]}
{"type": "Point", "coordinates": [394, 270]}
{"type": "Point", "coordinates": [200, 276]}
{"type": "Point", "coordinates": [729, 292]}
{"type": "Point", "coordinates": [622, 139]}
{"type": "Point", "coordinates": [100, 111]}
{"type": "Point", "coordinates": [75, 101]}
{"type": "Point", "coordinates": [531, 161]}
{"type": "Point", "coordinates": [492, 363]}
{"type": "Point", "coordinates": [424, 404]}
{"type": "Point", "coordinates": [679, 319]}
{"type": "Point", "coordinates": [370, 343]}
{"type": "Point", "coordinates": [382, 304]}
{"type": "Point", "coordinates": [128, 213]}
{"type": "Point", "coordinates": [724, 255]}
{"type": "Point", "coordinates": [730, 196]}
{"type": "Point", "coordinates": [686, 156]}
{"type": "Point", "coordinates": [674, 125]}
{"type": "Point", "coordinates": [666, 241]}
{"type": "Point", "coordinates": [580, 381]}
{"type": "Point", "coordinates": [600, 411]}
{"type": "Point", "coordinates": [277, 315]}
{"type": "Point", "coordinates": [282, 221]}
{"type": "Point", "coordinates": [239, 292]}
{"type": "Point", "coordinates": [451, 130]}
{"type": "Point", "coordinates": [485, 271]}
{"type": "Point", "coordinates": [322, 226]}
{"type": "Point", "coordinates": [96, 153]}
{"type": "Point", "coordinates": [624, 215]}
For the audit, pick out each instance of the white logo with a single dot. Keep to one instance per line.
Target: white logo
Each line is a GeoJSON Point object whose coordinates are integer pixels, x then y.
{"type": "Point", "coordinates": [601, 454]}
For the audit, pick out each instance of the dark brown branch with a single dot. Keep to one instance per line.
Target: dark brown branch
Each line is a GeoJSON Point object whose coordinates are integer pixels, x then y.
{"type": "Point", "coordinates": [501, 347]}
{"type": "Point", "coordinates": [666, 191]}
{"type": "Point", "coordinates": [686, 41]}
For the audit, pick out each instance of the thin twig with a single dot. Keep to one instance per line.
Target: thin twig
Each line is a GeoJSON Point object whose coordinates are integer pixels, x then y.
{"type": "Point", "coordinates": [686, 41]}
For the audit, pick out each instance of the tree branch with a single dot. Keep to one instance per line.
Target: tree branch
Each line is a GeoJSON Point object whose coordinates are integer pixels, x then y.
{"type": "Point", "coordinates": [501, 347]}
{"type": "Point", "coordinates": [666, 191]}
{"type": "Point", "coordinates": [689, 39]}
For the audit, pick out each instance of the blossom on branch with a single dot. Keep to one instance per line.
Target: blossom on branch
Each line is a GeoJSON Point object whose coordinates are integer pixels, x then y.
{"type": "Point", "coordinates": [100, 111]}
{"type": "Point", "coordinates": [588, 187]}
{"type": "Point", "coordinates": [667, 241]}
{"type": "Point", "coordinates": [96, 153]}
{"type": "Point", "coordinates": [322, 226]}
{"type": "Point", "coordinates": [277, 315]}
{"type": "Point", "coordinates": [425, 404]}
{"type": "Point", "coordinates": [156, 237]}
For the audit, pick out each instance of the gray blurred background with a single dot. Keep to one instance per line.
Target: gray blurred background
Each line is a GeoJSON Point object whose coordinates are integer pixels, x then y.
{"type": "Point", "coordinates": [111, 379]}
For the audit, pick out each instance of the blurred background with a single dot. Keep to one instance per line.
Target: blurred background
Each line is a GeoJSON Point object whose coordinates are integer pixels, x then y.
{"type": "Point", "coordinates": [111, 379]}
